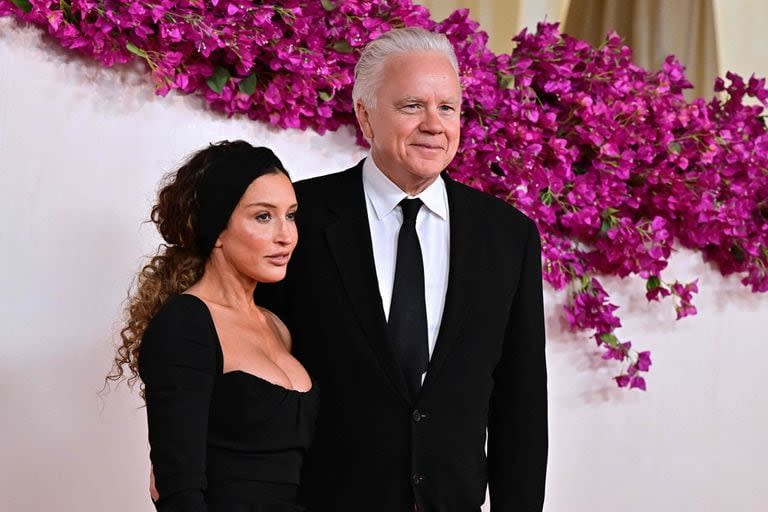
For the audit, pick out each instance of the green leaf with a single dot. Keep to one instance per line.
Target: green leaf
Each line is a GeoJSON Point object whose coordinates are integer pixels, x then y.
{"type": "Point", "coordinates": [586, 282]}
{"type": "Point", "coordinates": [328, 5]}
{"type": "Point", "coordinates": [652, 283]}
{"type": "Point", "coordinates": [507, 81]}
{"type": "Point", "coordinates": [737, 252]}
{"type": "Point", "coordinates": [64, 6]}
{"type": "Point", "coordinates": [342, 47]}
{"type": "Point", "coordinates": [609, 220]}
{"type": "Point", "coordinates": [674, 147]}
{"type": "Point", "coordinates": [325, 96]}
{"type": "Point", "coordinates": [546, 196]}
{"type": "Point", "coordinates": [24, 5]}
{"type": "Point", "coordinates": [578, 171]}
{"type": "Point", "coordinates": [610, 339]}
{"type": "Point", "coordinates": [218, 80]}
{"type": "Point", "coordinates": [136, 50]}
{"type": "Point", "coordinates": [248, 84]}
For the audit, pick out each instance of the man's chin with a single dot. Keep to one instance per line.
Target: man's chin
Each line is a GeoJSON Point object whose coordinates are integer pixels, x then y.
{"type": "Point", "coordinates": [427, 173]}
{"type": "Point", "coordinates": [429, 167]}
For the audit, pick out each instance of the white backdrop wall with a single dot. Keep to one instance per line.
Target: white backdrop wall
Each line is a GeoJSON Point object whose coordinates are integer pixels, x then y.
{"type": "Point", "coordinates": [81, 151]}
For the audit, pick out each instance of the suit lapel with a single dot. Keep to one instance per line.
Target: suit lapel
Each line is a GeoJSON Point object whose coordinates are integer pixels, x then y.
{"type": "Point", "coordinates": [349, 239]}
{"type": "Point", "coordinates": [467, 254]}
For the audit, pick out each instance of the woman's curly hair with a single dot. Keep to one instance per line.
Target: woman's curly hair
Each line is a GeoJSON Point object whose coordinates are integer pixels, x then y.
{"type": "Point", "coordinates": [176, 265]}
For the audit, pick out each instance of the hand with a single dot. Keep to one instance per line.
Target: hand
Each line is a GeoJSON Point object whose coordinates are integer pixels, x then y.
{"type": "Point", "coordinates": [152, 489]}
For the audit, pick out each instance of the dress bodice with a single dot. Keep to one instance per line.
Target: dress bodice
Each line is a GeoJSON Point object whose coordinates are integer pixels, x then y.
{"type": "Point", "coordinates": [219, 441]}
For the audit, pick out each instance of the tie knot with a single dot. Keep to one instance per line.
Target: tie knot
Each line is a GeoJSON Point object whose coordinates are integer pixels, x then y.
{"type": "Point", "coordinates": [410, 209]}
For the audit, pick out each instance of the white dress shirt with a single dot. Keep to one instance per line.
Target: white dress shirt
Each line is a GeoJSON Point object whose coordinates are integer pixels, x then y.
{"type": "Point", "coordinates": [385, 218]}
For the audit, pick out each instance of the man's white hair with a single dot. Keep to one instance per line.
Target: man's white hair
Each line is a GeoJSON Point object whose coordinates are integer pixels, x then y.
{"type": "Point", "coordinates": [369, 68]}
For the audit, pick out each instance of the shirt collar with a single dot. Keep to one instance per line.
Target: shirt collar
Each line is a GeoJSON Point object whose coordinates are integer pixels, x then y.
{"type": "Point", "coordinates": [385, 195]}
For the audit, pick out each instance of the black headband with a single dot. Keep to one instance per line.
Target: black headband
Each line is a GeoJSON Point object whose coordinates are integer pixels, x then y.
{"type": "Point", "coordinates": [224, 181]}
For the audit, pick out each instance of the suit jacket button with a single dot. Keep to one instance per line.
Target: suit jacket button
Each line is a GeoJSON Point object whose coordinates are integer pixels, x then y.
{"type": "Point", "coordinates": [417, 479]}
{"type": "Point", "coordinates": [419, 415]}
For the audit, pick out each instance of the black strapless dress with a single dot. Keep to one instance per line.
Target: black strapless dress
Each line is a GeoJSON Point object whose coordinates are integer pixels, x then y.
{"type": "Point", "coordinates": [219, 442]}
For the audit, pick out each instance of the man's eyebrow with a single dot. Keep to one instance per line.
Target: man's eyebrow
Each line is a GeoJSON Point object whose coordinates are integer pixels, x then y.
{"type": "Point", "coordinates": [416, 99]}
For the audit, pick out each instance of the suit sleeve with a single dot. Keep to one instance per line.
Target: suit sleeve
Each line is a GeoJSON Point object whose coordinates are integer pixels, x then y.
{"type": "Point", "coordinates": [517, 423]}
{"type": "Point", "coordinates": [178, 366]}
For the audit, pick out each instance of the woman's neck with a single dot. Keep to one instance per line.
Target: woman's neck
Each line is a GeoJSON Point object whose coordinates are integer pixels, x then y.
{"type": "Point", "coordinates": [222, 284]}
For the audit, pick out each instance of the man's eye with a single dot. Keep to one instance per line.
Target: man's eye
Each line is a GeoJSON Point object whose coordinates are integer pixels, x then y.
{"type": "Point", "coordinates": [447, 108]}
{"type": "Point", "coordinates": [411, 106]}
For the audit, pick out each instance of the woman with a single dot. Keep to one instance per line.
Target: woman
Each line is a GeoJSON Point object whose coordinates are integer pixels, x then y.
{"type": "Point", "coordinates": [230, 412]}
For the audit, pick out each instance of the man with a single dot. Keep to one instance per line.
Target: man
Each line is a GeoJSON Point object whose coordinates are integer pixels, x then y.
{"type": "Point", "coordinates": [420, 321]}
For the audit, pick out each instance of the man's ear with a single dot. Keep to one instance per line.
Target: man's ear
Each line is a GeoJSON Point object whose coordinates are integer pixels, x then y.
{"type": "Point", "coordinates": [361, 111]}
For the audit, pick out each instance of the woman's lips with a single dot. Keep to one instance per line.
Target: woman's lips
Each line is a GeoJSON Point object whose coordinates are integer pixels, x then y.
{"type": "Point", "coordinates": [279, 259]}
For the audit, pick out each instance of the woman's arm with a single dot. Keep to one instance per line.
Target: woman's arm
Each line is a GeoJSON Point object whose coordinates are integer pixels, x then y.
{"type": "Point", "coordinates": [178, 367]}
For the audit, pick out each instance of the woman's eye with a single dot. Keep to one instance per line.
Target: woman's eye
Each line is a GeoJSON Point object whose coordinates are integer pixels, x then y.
{"type": "Point", "coordinates": [263, 217]}
{"type": "Point", "coordinates": [291, 216]}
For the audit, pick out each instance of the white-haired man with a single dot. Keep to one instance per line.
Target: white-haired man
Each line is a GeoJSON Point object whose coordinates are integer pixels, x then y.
{"type": "Point", "coordinates": [415, 303]}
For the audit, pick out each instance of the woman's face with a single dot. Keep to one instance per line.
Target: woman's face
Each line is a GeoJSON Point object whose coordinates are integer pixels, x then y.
{"type": "Point", "coordinates": [261, 233]}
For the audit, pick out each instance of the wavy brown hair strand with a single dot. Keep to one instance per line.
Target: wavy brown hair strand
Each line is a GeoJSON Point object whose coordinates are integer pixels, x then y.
{"type": "Point", "coordinates": [175, 266]}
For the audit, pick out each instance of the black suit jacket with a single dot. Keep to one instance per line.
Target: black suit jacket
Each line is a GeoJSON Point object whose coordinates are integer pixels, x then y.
{"type": "Point", "coordinates": [374, 449]}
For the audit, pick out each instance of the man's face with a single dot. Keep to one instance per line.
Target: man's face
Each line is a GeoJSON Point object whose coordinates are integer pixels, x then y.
{"type": "Point", "coordinates": [414, 127]}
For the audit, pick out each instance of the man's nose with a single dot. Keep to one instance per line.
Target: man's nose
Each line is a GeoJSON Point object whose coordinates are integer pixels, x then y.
{"type": "Point", "coordinates": [431, 122]}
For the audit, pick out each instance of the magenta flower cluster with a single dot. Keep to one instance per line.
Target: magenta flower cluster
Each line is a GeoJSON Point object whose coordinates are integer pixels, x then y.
{"type": "Point", "coordinates": [609, 159]}
{"type": "Point", "coordinates": [614, 165]}
{"type": "Point", "coordinates": [288, 63]}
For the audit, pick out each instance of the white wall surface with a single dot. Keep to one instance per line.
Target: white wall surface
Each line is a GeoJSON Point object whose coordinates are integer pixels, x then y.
{"type": "Point", "coordinates": [81, 151]}
{"type": "Point", "coordinates": [741, 44]}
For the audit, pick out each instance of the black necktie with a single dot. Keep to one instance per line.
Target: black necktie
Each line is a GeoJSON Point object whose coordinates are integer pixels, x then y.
{"type": "Point", "coordinates": [408, 311]}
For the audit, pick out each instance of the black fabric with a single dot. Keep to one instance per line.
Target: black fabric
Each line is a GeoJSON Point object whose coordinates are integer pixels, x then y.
{"type": "Point", "coordinates": [219, 442]}
{"type": "Point", "coordinates": [223, 183]}
{"type": "Point", "coordinates": [375, 449]}
{"type": "Point", "coordinates": [407, 320]}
